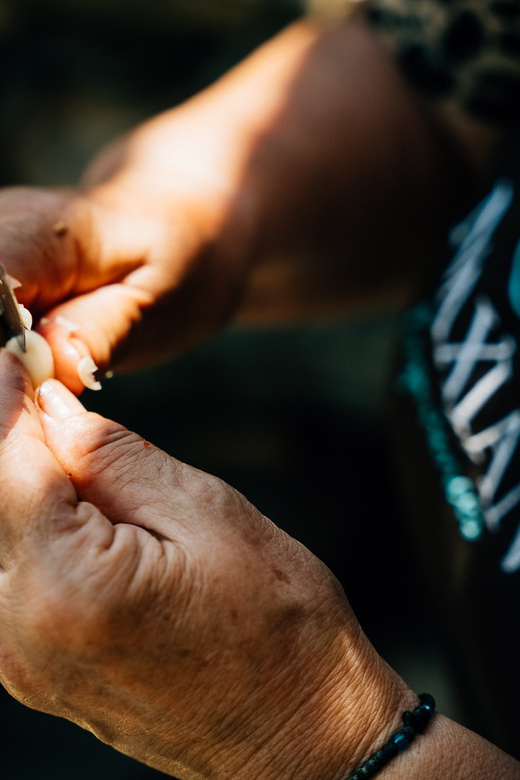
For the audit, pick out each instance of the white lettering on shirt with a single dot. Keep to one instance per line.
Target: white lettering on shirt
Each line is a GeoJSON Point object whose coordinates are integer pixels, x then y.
{"type": "Point", "coordinates": [484, 351]}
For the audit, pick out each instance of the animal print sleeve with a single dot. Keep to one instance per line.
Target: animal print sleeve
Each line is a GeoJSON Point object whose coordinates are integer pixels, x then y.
{"type": "Point", "coordinates": [462, 51]}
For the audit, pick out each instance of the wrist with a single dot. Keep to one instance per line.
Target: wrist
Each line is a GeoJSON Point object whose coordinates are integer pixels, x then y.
{"type": "Point", "coordinates": [342, 705]}
{"type": "Point", "coordinates": [360, 709]}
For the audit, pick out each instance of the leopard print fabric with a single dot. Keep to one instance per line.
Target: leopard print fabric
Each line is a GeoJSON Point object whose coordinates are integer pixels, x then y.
{"type": "Point", "coordinates": [462, 51]}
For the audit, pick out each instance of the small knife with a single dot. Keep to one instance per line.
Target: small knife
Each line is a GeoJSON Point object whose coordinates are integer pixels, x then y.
{"type": "Point", "coordinates": [11, 324]}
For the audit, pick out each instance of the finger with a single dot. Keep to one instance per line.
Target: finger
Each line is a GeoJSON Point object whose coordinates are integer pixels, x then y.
{"type": "Point", "coordinates": [92, 325]}
{"type": "Point", "coordinates": [124, 476]}
{"type": "Point", "coordinates": [37, 244]}
{"type": "Point", "coordinates": [125, 277]}
{"type": "Point", "coordinates": [59, 244]}
{"type": "Point", "coordinates": [36, 498]}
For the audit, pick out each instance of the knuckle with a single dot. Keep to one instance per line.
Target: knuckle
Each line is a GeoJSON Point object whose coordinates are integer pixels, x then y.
{"type": "Point", "coordinates": [105, 445]}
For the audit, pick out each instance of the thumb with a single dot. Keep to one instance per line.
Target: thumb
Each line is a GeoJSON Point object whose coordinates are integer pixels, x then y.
{"type": "Point", "coordinates": [125, 477]}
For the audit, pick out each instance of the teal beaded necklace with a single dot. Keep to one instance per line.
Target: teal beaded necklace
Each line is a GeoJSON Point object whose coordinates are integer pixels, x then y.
{"type": "Point", "coordinates": [414, 379]}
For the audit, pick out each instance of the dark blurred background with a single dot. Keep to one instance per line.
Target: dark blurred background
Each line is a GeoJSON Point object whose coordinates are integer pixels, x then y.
{"type": "Point", "coordinates": [292, 416]}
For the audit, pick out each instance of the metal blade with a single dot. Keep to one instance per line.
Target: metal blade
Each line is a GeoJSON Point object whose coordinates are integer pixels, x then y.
{"type": "Point", "coordinates": [11, 323]}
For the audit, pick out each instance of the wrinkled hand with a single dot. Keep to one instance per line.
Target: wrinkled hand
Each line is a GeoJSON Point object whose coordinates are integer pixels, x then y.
{"type": "Point", "coordinates": [134, 272]}
{"type": "Point", "coordinates": [153, 605]}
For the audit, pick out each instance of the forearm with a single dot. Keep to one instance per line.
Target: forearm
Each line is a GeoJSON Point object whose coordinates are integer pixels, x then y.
{"type": "Point", "coordinates": [316, 162]}
{"type": "Point", "coordinates": [447, 751]}
{"type": "Point", "coordinates": [310, 177]}
{"type": "Point", "coordinates": [350, 715]}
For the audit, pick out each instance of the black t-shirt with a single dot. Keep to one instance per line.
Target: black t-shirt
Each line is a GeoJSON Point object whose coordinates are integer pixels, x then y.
{"type": "Point", "coordinates": [459, 436]}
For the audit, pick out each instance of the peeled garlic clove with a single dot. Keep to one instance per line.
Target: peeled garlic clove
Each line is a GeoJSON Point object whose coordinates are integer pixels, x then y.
{"type": "Point", "coordinates": [87, 371]}
{"type": "Point", "coordinates": [26, 316]}
{"type": "Point", "coordinates": [14, 283]}
{"type": "Point", "coordinates": [37, 358]}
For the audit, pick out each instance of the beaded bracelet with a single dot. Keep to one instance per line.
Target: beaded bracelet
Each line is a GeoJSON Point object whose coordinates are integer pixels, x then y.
{"type": "Point", "coordinates": [414, 723]}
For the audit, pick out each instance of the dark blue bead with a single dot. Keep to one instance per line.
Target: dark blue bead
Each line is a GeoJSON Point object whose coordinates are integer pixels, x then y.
{"type": "Point", "coordinates": [400, 740]}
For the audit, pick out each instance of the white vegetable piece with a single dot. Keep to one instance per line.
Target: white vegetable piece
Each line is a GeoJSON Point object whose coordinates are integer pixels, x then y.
{"type": "Point", "coordinates": [26, 316]}
{"type": "Point", "coordinates": [37, 359]}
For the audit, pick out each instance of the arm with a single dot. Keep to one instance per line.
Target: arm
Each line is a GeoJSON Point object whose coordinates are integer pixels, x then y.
{"type": "Point", "coordinates": [311, 162]}
{"type": "Point", "coordinates": [333, 170]}
{"type": "Point", "coordinates": [165, 614]}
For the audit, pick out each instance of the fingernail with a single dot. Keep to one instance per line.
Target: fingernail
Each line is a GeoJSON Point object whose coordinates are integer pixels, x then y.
{"type": "Point", "coordinates": [57, 401]}
{"type": "Point", "coordinates": [74, 349]}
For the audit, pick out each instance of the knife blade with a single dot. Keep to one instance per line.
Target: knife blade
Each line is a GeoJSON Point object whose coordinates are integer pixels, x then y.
{"type": "Point", "coordinates": [11, 323]}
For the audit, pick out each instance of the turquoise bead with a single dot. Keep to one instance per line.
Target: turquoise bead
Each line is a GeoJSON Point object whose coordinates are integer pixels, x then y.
{"type": "Point", "coordinates": [459, 490]}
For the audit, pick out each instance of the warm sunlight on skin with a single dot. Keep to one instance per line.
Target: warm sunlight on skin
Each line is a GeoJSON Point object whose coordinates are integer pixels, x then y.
{"type": "Point", "coordinates": [141, 598]}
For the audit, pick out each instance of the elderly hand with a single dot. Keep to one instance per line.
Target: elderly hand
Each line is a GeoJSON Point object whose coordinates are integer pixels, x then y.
{"type": "Point", "coordinates": [153, 605]}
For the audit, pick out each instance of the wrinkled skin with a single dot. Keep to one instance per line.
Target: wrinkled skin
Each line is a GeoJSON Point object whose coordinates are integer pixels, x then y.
{"type": "Point", "coordinates": [153, 605]}
{"type": "Point", "coordinates": [144, 600]}
{"type": "Point", "coordinates": [140, 598]}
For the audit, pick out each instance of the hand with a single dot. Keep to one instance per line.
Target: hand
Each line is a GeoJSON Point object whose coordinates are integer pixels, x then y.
{"type": "Point", "coordinates": [153, 605]}
{"type": "Point", "coordinates": [128, 279]}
